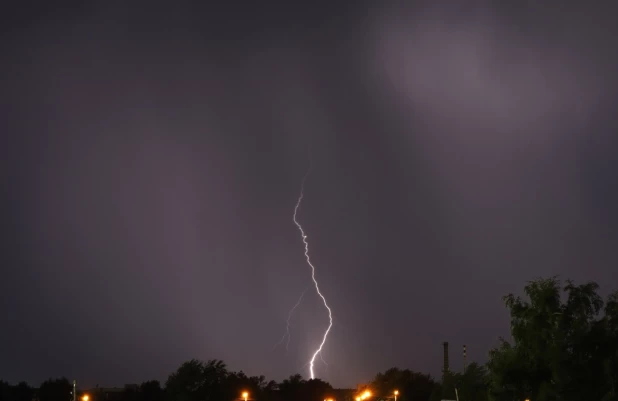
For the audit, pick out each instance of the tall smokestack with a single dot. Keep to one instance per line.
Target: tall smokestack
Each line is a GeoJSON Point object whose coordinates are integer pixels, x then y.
{"type": "Point", "coordinates": [465, 356]}
{"type": "Point", "coordinates": [445, 370]}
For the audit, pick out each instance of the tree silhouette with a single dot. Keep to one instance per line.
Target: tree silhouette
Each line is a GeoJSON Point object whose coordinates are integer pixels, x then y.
{"type": "Point", "coordinates": [55, 390]}
{"type": "Point", "coordinates": [151, 391]}
{"type": "Point", "coordinates": [610, 364]}
{"type": "Point", "coordinates": [198, 381]}
{"type": "Point", "coordinates": [22, 392]}
{"type": "Point", "coordinates": [412, 386]}
{"type": "Point", "coordinates": [317, 389]}
{"type": "Point", "coordinates": [292, 387]}
{"type": "Point", "coordinates": [239, 382]}
{"type": "Point", "coordinates": [563, 348]}
{"type": "Point", "coordinates": [186, 384]}
{"type": "Point", "coordinates": [5, 391]}
{"type": "Point", "coordinates": [297, 388]}
{"type": "Point", "coordinates": [473, 384]}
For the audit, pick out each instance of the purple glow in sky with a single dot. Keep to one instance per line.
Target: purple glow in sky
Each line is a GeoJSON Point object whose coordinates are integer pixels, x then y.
{"type": "Point", "coordinates": [151, 157]}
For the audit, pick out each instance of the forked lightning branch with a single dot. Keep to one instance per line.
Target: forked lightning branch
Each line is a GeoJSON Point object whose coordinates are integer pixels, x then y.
{"type": "Point", "coordinates": [315, 281]}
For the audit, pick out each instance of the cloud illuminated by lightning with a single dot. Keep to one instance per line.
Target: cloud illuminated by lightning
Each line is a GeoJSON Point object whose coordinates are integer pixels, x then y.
{"type": "Point", "coordinates": [315, 282]}
{"type": "Point", "coordinates": [287, 327]}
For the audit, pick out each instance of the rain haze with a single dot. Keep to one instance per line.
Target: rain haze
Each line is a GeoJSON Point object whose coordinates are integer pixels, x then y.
{"type": "Point", "coordinates": [152, 156]}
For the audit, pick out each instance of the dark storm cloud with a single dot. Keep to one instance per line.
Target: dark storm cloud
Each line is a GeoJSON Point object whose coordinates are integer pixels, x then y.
{"type": "Point", "coordinates": [510, 109]}
{"type": "Point", "coordinates": [154, 156]}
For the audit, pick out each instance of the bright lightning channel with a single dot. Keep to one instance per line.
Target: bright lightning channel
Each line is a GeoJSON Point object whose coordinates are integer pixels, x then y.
{"type": "Point", "coordinates": [287, 326]}
{"type": "Point", "coordinates": [315, 282]}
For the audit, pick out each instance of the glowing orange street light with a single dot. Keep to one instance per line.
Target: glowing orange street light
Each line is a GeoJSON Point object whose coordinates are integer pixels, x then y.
{"type": "Point", "coordinates": [245, 395]}
{"type": "Point", "coordinates": [85, 397]}
{"type": "Point", "coordinates": [367, 394]}
{"type": "Point", "coordinates": [396, 393]}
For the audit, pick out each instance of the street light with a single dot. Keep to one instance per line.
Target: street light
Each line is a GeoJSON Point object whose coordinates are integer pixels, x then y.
{"type": "Point", "coordinates": [85, 397]}
{"type": "Point", "coordinates": [245, 395]}
{"type": "Point", "coordinates": [396, 393]}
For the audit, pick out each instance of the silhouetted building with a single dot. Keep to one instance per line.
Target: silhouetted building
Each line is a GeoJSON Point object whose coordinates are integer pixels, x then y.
{"type": "Point", "coordinates": [127, 393]}
{"type": "Point", "coordinates": [445, 369]}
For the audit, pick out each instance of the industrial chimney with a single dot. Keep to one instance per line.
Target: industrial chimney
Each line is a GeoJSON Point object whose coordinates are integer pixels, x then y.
{"type": "Point", "coordinates": [446, 369]}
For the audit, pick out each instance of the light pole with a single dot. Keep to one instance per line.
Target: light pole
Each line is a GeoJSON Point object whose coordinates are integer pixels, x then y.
{"type": "Point", "coordinates": [245, 395]}
{"type": "Point", "coordinates": [396, 393]}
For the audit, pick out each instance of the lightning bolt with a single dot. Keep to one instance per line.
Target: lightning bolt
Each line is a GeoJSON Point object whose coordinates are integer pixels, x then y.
{"type": "Point", "coordinates": [315, 282]}
{"type": "Point", "coordinates": [287, 327]}
{"type": "Point", "coordinates": [323, 361]}
{"type": "Point", "coordinates": [307, 364]}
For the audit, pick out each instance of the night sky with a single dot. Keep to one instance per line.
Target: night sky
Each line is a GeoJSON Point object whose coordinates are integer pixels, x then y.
{"type": "Point", "coordinates": [152, 154]}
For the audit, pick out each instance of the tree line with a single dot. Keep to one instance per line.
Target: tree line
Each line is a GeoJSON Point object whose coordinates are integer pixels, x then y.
{"type": "Point", "coordinates": [563, 347]}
